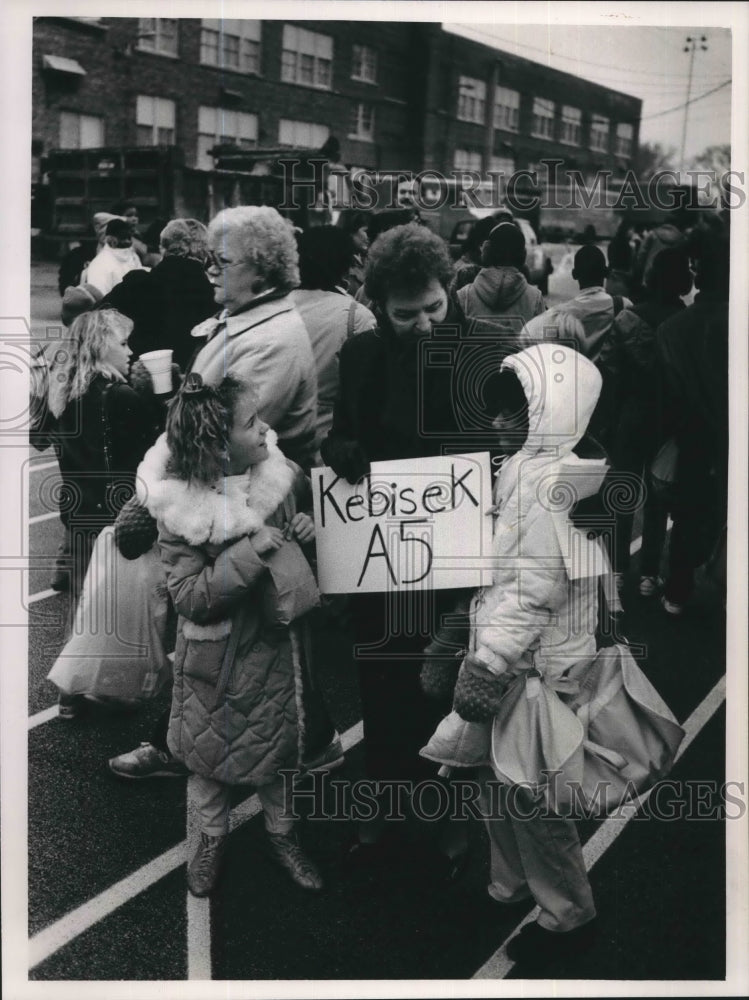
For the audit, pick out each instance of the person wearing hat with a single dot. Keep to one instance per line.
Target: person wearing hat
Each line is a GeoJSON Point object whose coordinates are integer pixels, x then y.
{"type": "Point", "coordinates": [500, 301]}
{"type": "Point", "coordinates": [115, 259]}
{"type": "Point", "coordinates": [77, 300]}
{"type": "Point", "coordinates": [593, 306]}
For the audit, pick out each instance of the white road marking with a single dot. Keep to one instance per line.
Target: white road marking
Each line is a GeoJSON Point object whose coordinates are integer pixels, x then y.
{"type": "Point", "coordinates": [43, 517]}
{"type": "Point", "coordinates": [42, 595]}
{"type": "Point", "coordinates": [37, 467]}
{"type": "Point", "coordinates": [44, 716]}
{"type": "Point", "coordinates": [499, 965]}
{"type": "Point", "coordinates": [59, 934]}
{"type": "Point", "coordinates": [199, 938]}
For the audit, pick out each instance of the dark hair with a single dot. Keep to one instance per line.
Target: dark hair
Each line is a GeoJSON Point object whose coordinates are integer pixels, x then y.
{"type": "Point", "coordinates": [477, 235]}
{"type": "Point", "coordinates": [669, 275]}
{"type": "Point", "coordinates": [121, 206]}
{"type": "Point", "coordinates": [406, 259]}
{"type": "Point", "coordinates": [152, 236]}
{"type": "Point", "coordinates": [712, 256]}
{"type": "Point", "coordinates": [119, 229]}
{"type": "Point", "coordinates": [590, 263]}
{"type": "Point", "coordinates": [382, 222]}
{"type": "Point", "coordinates": [504, 393]}
{"type": "Point", "coordinates": [506, 246]}
{"type": "Point", "coordinates": [326, 254]}
{"type": "Point", "coordinates": [351, 220]}
{"type": "Point", "coordinates": [198, 424]}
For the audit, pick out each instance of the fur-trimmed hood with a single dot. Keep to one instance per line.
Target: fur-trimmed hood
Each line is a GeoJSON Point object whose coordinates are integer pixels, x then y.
{"type": "Point", "coordinates": [217, 514]}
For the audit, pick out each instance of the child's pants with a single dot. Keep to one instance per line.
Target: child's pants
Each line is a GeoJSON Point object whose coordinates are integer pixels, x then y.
{"type": "Point", "coordinates": [211, 800]}
{"type": "Point", "coordinates": [541, 857]}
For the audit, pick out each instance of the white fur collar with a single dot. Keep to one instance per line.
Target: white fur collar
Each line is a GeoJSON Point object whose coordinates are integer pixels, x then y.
{"type": "Point", "coordinates": [235, 506]}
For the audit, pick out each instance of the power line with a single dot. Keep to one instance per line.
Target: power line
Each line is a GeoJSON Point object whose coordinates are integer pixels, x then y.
{"type": "Point", "coordinates": [587, 62]}
{"type": "Point", "coordinates": [686, 103]}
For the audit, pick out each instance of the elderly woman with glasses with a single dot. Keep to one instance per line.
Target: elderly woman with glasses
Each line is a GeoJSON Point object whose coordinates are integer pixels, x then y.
{"type": "Point", "coordinates": [253, 264]}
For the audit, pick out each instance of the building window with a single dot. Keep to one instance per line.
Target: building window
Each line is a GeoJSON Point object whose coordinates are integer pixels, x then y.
{"type": "Point", "coordinates": [504, 165]}
{"type": "Point", "coordinates": [571, 127]}
{"type": "Point", "coordinates": [80, 131]}
{"type": "Point", "coordinates": [305, 135]}
{"type": "Point", "coordinates": [507, 109]}
{"type": "Point", "coordinates": [471, 100]}
{"type": "Point", "coordinates": [364, 64]}
{"type": "Point", "coordinates": [362, 122]}
{"type": "Point", "coordinates": [218, 125]}
{"type": "Point", "coordinates": [154, 118]}
{"type": "Point", "coordinates": [158, 34]}
{"type": "Point", "coordinates": [599, 133]}
{"type": "Point", "coordinates": [307, 57]}
{"type": "Point", "coordinates": [467, 159]}
{"type": "Point", "coordinates": [624, 135]}
{"type": "Point", "coordinates": [230, 44]}
{"type": "Point", "coordinates": [543, 118]}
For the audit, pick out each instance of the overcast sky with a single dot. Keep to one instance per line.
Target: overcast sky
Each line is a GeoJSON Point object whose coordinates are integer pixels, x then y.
{"type": "Point", "coordinates": [647, 62]}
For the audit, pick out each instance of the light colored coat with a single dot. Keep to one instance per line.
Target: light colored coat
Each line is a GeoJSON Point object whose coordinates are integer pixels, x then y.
{"type": "Point", "coordinates": [268, 346]}
{"type": "Point", "coordinates": [246, 732]}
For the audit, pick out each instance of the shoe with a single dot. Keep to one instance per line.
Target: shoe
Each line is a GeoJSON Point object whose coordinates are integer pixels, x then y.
{"type": "Point", "coordinates": [671, 608]}
{"type": "Point", "coordinates": [70, 706]}
{"type": "Point", "coordinates": [330, 758]}
{"type": "Point", "coordinates": [649, 585]}
{"type": "Point", "coordinates": [619, 582]}
{"type": "Point", "coordinates": [284, 849]}
{"type": "Point", "coordinates": [147, 762]}
{"type": "Point", "coordinates": [203, 871]}
{"type": "Point", "coordinates": [538, 947]}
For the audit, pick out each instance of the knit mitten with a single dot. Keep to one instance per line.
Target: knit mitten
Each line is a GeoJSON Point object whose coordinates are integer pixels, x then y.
{"type": "Point", "coordinates": [478, 691]}
{"type": "Point", "coordinates": [135, 530]}
{"type": "Point", "coordinates": [350, 461]}
{"type": "Point", "coordinates": [442, 657]}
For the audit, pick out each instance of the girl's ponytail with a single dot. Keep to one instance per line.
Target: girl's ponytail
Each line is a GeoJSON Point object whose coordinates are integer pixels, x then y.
{"type": "Point", "coordinates": [198, 425]}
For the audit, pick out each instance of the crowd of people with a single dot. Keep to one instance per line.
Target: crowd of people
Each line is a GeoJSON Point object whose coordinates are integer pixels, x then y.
{"type": "Point", "coordinates": [293, 350]}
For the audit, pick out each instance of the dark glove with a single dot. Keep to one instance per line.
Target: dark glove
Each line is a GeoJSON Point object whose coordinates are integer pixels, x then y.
{"type": "Point", "coordinates": [442, 657]}
{"type": "Point", "coordinates": [141, 381]}
{"type": "Point", "coordinates": [350, 461]}
{"type": "Point", "coordinates": [135, 530]}
{"type": "Point", "coordinates": [478, 691]}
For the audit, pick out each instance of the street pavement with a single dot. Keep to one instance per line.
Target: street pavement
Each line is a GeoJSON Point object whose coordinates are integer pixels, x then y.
{"type": "Point", "coordinates": [107, 895]}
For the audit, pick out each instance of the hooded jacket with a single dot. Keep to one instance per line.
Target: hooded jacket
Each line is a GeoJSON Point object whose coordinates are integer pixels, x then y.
{"type": "Point", "coordinates": [501, 293]}
{"type": "Point", "coordinates": [216, 579]}
{"type": "Point", "coordinates": [110, 266]}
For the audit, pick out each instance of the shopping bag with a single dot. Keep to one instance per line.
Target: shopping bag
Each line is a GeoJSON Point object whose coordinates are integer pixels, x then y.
{"type": "Point", "coordinates": [292, 589]}
{"type": "Point", "coordinates": [117, 646]}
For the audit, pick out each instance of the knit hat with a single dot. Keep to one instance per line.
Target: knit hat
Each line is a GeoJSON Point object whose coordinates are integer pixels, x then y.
{"type": "Point", "coordinates": [77, 300]}
{"type": "Point", "coordinates": [506, 246]}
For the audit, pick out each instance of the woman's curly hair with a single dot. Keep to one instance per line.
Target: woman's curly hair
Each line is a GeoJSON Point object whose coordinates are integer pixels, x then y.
{"type": "Point", "coordinates": [81, 356]}
{"type": "Point", "coordinates": [198, 426]}
{"type": "Point", "coordinates": [184, 238]}
{"type": "Point", "coordinates": [266, 239]}
{"type": "Point", "coordinates": [405, 260]}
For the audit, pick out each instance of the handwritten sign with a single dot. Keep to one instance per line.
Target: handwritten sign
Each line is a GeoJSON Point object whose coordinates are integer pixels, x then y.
{"type": "Point", "coordinates": [418, 524]}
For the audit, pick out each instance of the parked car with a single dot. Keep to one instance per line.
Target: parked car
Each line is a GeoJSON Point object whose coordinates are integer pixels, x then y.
{"type": "Point", "coordinates": [537, 261]}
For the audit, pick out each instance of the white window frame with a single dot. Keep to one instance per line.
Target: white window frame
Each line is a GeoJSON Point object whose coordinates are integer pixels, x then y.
{"type": "Point", "coordinates": [571, 125]}
{"type": "Point", "coordinates": [599, 137]}
{"type": "Point", "coordinates": [221, 37]}
{"type": "Point", "coordinates": [156, 113]}
{"type": "Point", "coordinates": [154, 37]}
{"type": "Point", "coordinates": [307, 58]}
{"type": "Point", "coordinates": [217, 125]}
{"type": "Point", "coordinates": [507, 109]}
{"type": "Point", "coordinates": [625, 134]}
{"type": "Point", "coordinates": [359, 130]}
{"type": "Point", "coordinates": [471, 100]}
{"type": "Point", "coordinates": [317, 135]}
{"type": "Point", "coordinates": [366, 61]}
{"type": "Point", "coordinates": [467, 159]}
{"type": "Point", "coordinates": [81, 123]}
{"type": "Point", "coordinates": [544, 110]}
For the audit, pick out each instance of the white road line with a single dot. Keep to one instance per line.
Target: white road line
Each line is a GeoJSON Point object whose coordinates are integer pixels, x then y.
{"type": "Point", "coordinates": [198, 938]}
{"type": "Point", "coordinates": [42, 465]}
{"type": "Point", "coordinates": [59, 934]}
{"type": "Point", "coordinates": [42, 595]}
{"type": "Point", "coordinates": [44, 716]}
{"type": "Point", "coordinates": [43, 517]}
{"type": "Point", "coordinates": [498, 966]}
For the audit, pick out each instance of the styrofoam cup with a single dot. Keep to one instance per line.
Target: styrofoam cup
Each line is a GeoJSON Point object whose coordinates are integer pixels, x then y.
{"type": "Point", "coordinates": [159, 367]}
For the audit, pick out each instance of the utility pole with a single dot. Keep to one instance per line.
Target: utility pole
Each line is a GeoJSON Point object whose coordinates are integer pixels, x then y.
{"type": "Point", "coordinates": [691, 48]}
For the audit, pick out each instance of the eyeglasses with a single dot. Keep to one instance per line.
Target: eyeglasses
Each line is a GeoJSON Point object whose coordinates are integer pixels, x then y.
{"type": "Point", "coordinates": [211, 260]}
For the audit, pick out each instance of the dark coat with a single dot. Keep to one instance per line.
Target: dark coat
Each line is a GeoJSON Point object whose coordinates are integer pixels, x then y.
{"type": "Point", "coordinates": [164, 305]}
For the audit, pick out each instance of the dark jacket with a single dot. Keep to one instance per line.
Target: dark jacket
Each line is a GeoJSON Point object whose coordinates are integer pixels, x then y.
{"type": "Point", "coordinates": [100, 440]}
{"type": "Point", "coordinates": [164, 305]}
{"type": "Point", "coordinates": [392, 402]}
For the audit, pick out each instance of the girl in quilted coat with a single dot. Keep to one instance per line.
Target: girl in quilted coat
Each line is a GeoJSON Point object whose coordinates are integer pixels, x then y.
{"type": "Point", "coordinates": [225, 500]}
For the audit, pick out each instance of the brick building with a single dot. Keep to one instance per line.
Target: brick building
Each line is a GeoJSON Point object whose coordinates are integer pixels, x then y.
{"type": "Point", "coordinates": [397, 96]}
